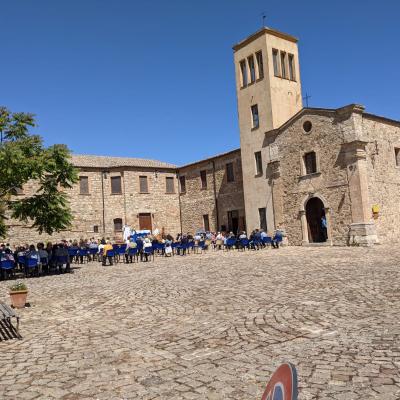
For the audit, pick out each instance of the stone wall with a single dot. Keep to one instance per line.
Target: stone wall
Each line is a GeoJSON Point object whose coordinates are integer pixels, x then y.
{"type": "Point", "coordinates": [294, 187]}
{"type": "Point", "coordinates": [217, 199]}
{"type": "Point", "coordinates": [88, 208]}
{"type": "Point", "coordinates": [383, 175]}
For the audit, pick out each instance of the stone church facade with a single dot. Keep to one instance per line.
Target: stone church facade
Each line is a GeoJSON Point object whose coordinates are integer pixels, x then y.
{"type": "Point", "coordinates": [296, 168]}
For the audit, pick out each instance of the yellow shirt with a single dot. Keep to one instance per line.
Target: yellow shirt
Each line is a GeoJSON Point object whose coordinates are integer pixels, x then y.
{"type": "Point", "coordinates": [106, 248]}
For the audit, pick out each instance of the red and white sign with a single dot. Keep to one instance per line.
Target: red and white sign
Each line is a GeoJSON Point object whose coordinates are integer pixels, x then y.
{"type": "Point", "coordinates": [283, 384]}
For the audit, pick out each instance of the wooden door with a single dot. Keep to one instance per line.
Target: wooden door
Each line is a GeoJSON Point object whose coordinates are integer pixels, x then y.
{"type": "Point", "coordinates": [145, 222]}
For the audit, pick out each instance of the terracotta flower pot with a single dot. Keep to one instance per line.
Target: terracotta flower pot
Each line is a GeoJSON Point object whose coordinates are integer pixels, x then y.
{"type": "Point", "coordinates": [18, 299]}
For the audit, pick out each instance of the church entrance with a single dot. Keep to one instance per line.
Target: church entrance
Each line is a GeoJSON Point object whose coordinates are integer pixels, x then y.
{"type": "Point", "coordinates": [315, 211]}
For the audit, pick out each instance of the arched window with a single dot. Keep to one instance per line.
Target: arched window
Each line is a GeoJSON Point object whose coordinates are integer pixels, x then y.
{"type": "Point", "coordinates": [117, 225]}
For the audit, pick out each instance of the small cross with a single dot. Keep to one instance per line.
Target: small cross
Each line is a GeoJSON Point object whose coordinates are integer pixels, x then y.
{"type": "Point", "coordinates": [306, 97]}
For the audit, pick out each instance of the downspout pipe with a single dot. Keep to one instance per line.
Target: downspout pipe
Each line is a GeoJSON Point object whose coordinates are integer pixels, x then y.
{"type": "Point", "coordinates": [180, 203]}
{"type": "Point", "coordinates": [215, 195]}
{"type": "Point", "coordinates": [103, 174]}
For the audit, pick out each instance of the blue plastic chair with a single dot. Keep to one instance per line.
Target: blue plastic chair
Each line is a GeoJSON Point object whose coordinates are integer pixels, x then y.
{"type": "Point", "coordinates": [93, 252]}
{"type": "Point", "coordinates": [267, 241]}
{"type": "Point", "coordinates": [148, 251]}
{"type": "Point", "coordinates": [72, 253]}
{"type": "Point", "coordinates": [277, 239]}
{"type": "Point", "coordinates": [62, 260]}
{"type": "Point", "coordinates": [243, 244]}
{"type": "Point", "coordinates": [31, 264]}
{"type": "Point", "coordinates": [120, 251]}
{"type": "Point", "coordinates": [182, 248]}
{"type": "Point", "coordinates": [174, 246]}
{"type": "Point", "coordinates": [110, 255]}
{"type": "Point", "coordinates": [21, 261]}
{"type": "Point", "coordinates": [200, 245]}
{"type": "Point", "coordinates": [159, 248]}
{"type": "Point", "coordinates": [190, 246]}
{"type": "Point", "coordinates": [230, 243]}
{"type": "Point", "coordinates": [7, 267]}
{"type": "Point", "coordinates": [133, 253]}
{"type": "Point", "coordinates": [84, 254]}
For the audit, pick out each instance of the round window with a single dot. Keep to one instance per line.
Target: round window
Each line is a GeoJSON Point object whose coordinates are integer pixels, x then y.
{"type": "Point", "coordinates": [307, 126]}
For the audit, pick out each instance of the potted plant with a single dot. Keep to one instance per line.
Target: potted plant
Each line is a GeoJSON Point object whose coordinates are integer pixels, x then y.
{"type": "Point", "coordinates": [18, 294]}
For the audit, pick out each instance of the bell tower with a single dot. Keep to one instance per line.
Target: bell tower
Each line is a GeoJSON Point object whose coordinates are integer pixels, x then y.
{"type": "Point", "coordinates": [268, 92]}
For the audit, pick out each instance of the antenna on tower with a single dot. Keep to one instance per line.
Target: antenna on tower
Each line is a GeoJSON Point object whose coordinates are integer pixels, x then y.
{"type": "Point", "coordinates": [263, 16]}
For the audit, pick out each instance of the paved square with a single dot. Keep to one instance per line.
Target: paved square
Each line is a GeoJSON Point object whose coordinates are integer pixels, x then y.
{"type": "Point", "coordinates": [211, 326]}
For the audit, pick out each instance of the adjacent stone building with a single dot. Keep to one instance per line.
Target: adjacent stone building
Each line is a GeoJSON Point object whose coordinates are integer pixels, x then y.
{"type": "Point", "coordinates": [212, 194]}
{"type": "Point", "coordinates": [324, 176]}
{"type": "Point", "coordinates": [112, 192]}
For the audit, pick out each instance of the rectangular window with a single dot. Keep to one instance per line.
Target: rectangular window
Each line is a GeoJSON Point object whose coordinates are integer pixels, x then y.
{"type": "Point", "coordinates": [243, 70]}
{"type": "Point", "coordinates": [143, 185]}
{"type": "Point", "coordinates": [275, 60]}
{"type": "Point", "coordinates": [310, 163]}
{"type": "Point", "coordinates": [262, 212]}
{"type": "Point", "coordinates": [254, 116]}
{"type": "Point", "coordinates": [292, 70]}
{"type": "Point", "coordinates": [283, 64]}
{"type": "Point", "coordinates": [397, 156]}
{"type": "Point", "coordinates": [230, 176]}
{"type": "Point", "coordinates": [116, 185]}
{"type": "Point", "coordinates": [117, 224]}
{"type": "Point", "coordinates": [169, 182]}
{"type": "Point", "coordinates": [206, 223]}
{"type": "Point", "coordinates": [96, 229]}
{"type": "Point", "coordinates": [83, 185]}
{"type": "Point", "coordinates": [260, 65]}
{"type": "Point", "coordinates": [182, 183]}
{"type": "Point", "coordinates": [203, 177]}
{"type": "Point", "coordinates": [258, 161]}
{"type": "Point", "coordinates": [252, 69]}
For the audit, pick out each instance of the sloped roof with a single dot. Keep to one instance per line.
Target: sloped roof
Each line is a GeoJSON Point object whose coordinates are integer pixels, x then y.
{"type": "Point", "coordinates": [261, 32]}
{"type": "Point", "coordinates": [227, 153]}
{"type": "Point", "coordinates": [90, 161]}
{"type": "Point", "coordinates": [332, 111]}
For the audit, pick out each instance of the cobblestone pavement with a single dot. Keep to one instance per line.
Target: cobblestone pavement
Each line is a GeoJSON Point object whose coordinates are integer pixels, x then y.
{"type": "Point", "coordinates": [211, 326]}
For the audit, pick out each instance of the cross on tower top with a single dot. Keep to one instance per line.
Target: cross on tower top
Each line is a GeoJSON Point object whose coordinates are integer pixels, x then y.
{"type": "Point", "coordinates": [306, 98]}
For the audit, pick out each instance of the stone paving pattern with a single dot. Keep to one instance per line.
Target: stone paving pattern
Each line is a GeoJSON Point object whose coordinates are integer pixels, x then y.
{"type": "Point", "coordinates": [211, 326]}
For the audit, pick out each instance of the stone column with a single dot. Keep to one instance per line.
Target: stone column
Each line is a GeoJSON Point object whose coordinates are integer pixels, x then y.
{"type": "Point", "coordinates": [362, 228]}
{"type": "Point", "coordinates": [304, 227]}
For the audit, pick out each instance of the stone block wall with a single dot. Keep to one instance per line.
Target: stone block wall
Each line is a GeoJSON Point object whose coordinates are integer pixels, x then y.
{"type": "Point", "coordinates": [383, 175]}
{"type": "Point", "coordinates": [329, 183]}
{"type": "Point", "coordinates": [217, 199]}
{"type": "Point", "coordinates": [87, 209]}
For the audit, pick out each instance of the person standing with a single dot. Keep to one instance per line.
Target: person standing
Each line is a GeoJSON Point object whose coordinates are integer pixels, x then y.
{"type": "Point", "coordinates": [324, 228]}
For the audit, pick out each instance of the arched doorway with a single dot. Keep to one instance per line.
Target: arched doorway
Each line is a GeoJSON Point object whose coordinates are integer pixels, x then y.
{"type": "Point", "coordinates": [314, 212]}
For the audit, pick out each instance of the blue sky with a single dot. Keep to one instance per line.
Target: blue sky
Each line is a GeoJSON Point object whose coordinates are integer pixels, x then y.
{"type": "Point", "coordinates": [155, 79]}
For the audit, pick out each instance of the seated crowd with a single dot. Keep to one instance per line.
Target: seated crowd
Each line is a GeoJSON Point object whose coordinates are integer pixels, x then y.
{"type": "Point", "coordinates": [45, 259]}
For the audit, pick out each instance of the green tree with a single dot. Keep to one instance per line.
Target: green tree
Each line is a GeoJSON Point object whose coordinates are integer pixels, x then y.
{"type": "Point", "coordinates": [23, 158]}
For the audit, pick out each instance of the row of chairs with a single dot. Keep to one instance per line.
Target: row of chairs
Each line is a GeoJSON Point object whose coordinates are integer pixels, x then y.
{"type": "Point", "coordinates": [243, 244]}
{"type": "Point", "coordinates": [146, 253]}
{"type": "Point", "coordinates": [30, 265]}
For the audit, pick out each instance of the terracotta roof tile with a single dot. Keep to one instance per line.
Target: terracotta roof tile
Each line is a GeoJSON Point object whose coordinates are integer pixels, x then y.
{"type": "Point", "coordinates": [110, 162]}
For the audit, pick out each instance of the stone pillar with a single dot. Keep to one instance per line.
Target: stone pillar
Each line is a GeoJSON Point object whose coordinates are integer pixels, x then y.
{"type": "Point", "coordinates": [304, 227]}
{"type": "Point", "coordinates": [362, 229]}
